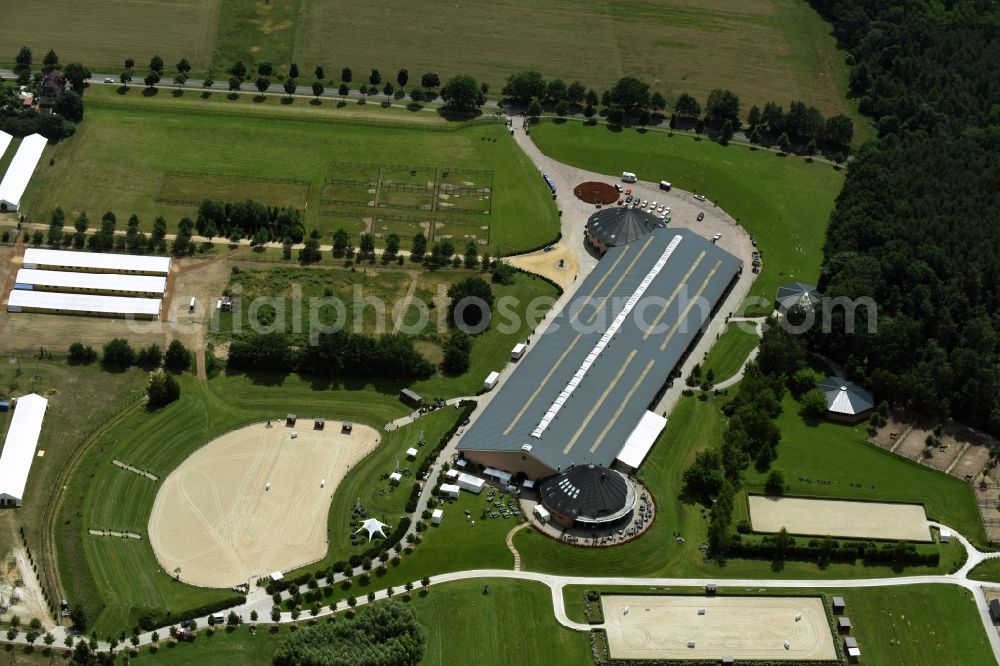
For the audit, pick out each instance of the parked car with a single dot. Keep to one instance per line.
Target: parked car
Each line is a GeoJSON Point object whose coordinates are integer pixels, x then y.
{"type": "Point", "coordinates": [753, 241]}
{"type": "Point", "coordinates": [645, 202]}
{"type": "Point", "coordinates": [108, 79]}
{"type": "Point", "coordinates": [661, 209]}
{"type": "Point", "coordinates": [628, 190]}
{"type": "Point", "coordinates": [619, 188]}
{"type": "Point", "coordinates": [653, 205]}
{"type": "Point", "coordinates": [699, 197]}
{"type": "Point", "coordinates": [701, 216]}
{"type": "Point", "coordinates": [628, 199]}
{"type": "Point", "coordinates": [621, 201]}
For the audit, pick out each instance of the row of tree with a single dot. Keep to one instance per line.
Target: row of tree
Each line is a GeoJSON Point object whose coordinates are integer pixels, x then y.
{"type": "Point", "coordinates": [105, 239]}
{"type": "Point", "coordinates": [915, 225]}
{"type": "Point", "coordinates": [249, 219]}
{"type": "Point", "coordinates": [118, 355]}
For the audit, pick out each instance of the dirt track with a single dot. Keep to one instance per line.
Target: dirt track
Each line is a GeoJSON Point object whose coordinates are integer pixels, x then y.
{"type": "Point", "coordinates": [253, 501]}
{"type": "Point", "coordinates": [839, 518]}
{"type": "Point", "coordinates": [750, 628]}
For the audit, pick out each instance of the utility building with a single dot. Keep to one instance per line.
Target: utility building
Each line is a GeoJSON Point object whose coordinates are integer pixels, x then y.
{"type": "Point", "coordinates": [19, 448]}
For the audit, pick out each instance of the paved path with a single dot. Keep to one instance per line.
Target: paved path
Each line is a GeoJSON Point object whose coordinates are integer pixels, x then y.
{"type": "Point", "coordinates": [510, 544]}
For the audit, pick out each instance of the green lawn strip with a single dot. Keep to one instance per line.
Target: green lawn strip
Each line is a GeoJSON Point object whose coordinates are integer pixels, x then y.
{"type": "Point", "coordinates": [730, 352]}
{"type": "Point", "coordinates": [694, 424]}
{"type": "Point", "coordinates": [784, 202]}
{"type": "Point", "coordinates": [88, 173]}
{"type": "Point", "coordinates": [987, 571]}
{"type": "Point", "coordinates": [893, 625]}
{"type": "Point", "coordinates": [125, 572]}
{"type": "Point", "coordinates": [839, 454]}
{"type": "Point", "coordinates": [514, 618]}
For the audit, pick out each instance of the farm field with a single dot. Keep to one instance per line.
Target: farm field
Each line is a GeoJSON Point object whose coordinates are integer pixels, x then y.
{"type": "Point", "coordinates": [893, 625]}
{"type": "Point", "coordinates": [103, 33]}
{"type": "Point", "coordinates": [730, 352]}
{"type": "Point", "coordinates": [491, 349]}
{"type": "Point", "coordinates": [785, 203]}
{"type": "Point", "coordinates": [89, 174]}
{"type": "Point", "coordinates": [695, 424]}
{"type": "Point", "coordinates": [831, 460]}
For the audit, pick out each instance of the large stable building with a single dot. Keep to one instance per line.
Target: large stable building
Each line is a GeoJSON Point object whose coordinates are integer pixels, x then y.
{"type": "Point", "coordinates": [582, 391]}
{"type": "Point", "coordinates": [19, 448]}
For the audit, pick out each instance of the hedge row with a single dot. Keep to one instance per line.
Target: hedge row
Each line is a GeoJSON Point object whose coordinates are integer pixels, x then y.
{"type": "Point", "coordinates": [849, 552]}
{"type": "Point", "coordinates": [150, 619]}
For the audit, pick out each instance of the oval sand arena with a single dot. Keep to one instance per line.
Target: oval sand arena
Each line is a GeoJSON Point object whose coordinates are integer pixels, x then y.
{"type": "Point", "coordinates": [253, 501]}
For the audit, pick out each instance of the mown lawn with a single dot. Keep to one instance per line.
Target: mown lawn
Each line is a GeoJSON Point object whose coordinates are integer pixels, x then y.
{"type": "Point", "coordinates": [987, 571]}
{"type": "Point", "coordinates": [893, 625]}
{"type": "Point", "coordinates": [729, 352]}
{"type": "Point", "coordinates": [696, 424]}
{"type": "Point", "coordinates": [90, 175]}
{"type": "Point", "coordinates": [814, 451]}
{"type": "Point", "coordinates": [784, 202]}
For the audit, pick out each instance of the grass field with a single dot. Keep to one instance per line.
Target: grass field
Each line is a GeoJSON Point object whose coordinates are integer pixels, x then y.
{"type": "Point", "coordinates": [190, 189]}
{"type": "Point", "coordinates": [785, 203]}
{"type": "Point", "coordinates": [811, 452]}
{"type": "Point", "coordinates": [695, 424]}
{"type": "Point", "coordinates": [103, 33]}
{"type": "Point", "coordinates": [491, 349]}
{"type": "Point", "coordinates": [893, 625]}
{"type": "Point", "coordinates": [988, 571]}
{"type": "Point", "coordinates": [515, 618]}
{"type": "Point", "coordinates": [730, 352]}
{"type": "Point", "coordinates": [90, 175]}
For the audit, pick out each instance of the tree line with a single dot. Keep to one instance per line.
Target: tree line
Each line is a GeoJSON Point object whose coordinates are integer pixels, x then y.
{"type": "Point", "coordinates": [915, 225]}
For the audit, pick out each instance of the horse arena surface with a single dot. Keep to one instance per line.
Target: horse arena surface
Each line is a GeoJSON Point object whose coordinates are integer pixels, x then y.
{"type": "Point", "coordinates": [746, 628]}
{"type": "Point", "coordinates": [839, 518]}
{"type": "Point", "coordinates": [214, 520]}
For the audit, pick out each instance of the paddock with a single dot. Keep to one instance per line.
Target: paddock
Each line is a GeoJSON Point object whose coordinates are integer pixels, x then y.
{"type": "Point", "coordinates": [746, 628]}
{"type": "Point", "coordinates": [252, 502]}
{"type": "Point", "coordinates": [839, 518]}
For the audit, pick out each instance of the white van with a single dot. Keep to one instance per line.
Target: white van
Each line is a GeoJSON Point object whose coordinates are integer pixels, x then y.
{"type": "Point", "coordinates": [628, 177]}
{"type": "Point", "coordinates": [193, 304]}
{"type": "Point", "coordinates": [664, 185]}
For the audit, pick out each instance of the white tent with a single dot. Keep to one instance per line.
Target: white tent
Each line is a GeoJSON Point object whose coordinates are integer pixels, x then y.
{"type": "Point", "coordinates": [411, 453]}
{"type": "Point", "coordinates": [450, 490]}
{"type": "Point", "coordinates": [15, 181]}
{"type": "Point", "coordinates": [436, 516]}
{"type": "Point", "coordinates": [641, 440]}
{"type": "Point", "coordinates": [471, 483]}
{"type": "Point", "coordinates": [19, 447]}
{"type": "Point", "coordinates": [372, 526]}
{"type": "Point", "coordinates": [499, 475]}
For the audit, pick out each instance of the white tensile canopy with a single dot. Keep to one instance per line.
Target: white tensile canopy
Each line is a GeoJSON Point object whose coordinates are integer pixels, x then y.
{"type": "Point", "coordinates": [372, 526]}
{"type": "Point", "coordinates": [844, 397]}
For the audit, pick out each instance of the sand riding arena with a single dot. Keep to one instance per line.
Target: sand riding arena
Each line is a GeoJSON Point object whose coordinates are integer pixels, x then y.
{"type": "Point", "coordinates": [710, 628]}
{"type": "Point", "coordinates": [253, 501]}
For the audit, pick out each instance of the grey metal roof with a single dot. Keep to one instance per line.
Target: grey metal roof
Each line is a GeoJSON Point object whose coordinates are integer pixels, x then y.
{"type": "Point", "coordinates": [797, 293]}
{"type": "Point", "coordinates": [590, 492]}
{"type": "Point", "coordinates": [622, 224]}
{"type": "Point", "coordinates": [606, 404]}
{"type": "Point", "coordinates": [844, 397]}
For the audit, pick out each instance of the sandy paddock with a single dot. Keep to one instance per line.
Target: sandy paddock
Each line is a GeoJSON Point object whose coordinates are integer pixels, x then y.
{"type": "Point", "coordinates": [839, 518]}
{"type": "Point", "coordinates": [750, 628]}
{"type": "Point", "coordinates": [214, 519]}
{"type": "Point", "coordinates": [546, 264]}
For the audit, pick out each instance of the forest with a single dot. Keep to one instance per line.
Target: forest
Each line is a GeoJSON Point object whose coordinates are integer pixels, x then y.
{"type": "Point", "coordinates": [916, 225]}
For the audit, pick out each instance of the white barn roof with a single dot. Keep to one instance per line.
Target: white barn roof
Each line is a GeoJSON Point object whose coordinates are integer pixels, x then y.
{"type": "Point", "coordinates": [641, 440]}
{"type": "Point", "coordinates": [145, 284]}
{"type": "Point", "coordinates": [5, 140]}
{"type": "Point", "coordinates": [34, 257]}
{"type": "Point", "coordinates": [19, 447]}
{"type": "Point", "coordinates": [110, 305]}
{"type": "Point", "coordinates": [15, 181]}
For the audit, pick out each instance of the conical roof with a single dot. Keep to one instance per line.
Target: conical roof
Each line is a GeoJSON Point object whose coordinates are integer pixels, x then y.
{"type": "Point", "coordinates": [621, 224]}
{"type": "Point", "coordinates": [589, 493]}
{"type": "Point", "coordinates": [797, 293]}
{"type": "Point", "coordinates": [844, 397]}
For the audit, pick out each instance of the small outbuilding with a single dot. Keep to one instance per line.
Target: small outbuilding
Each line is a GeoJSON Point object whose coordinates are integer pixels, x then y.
{"type": "Point", "coordinates": [411, 453]}
{"type": "Point", "coordinates": [472, 484]}
{"type": "Point", "coordinates": [346, 427]}
{"type": "Point", "coordinates": [410, 398]}
{"type": "Point", "coordinates": [710, 589]}
{"type": "Point", "coordinates": [845, 400]}
{"type": "Point", "coordinates": [436, 516]}
{"type": "Point", "coordinates": [995, 610]}
{"type": "Point", "coordinates": [276, 576]}
{"type": "Point", "coordinates": [945, 536]}
{"type": "Point", "coordinates": [450, 490]}
{"type": "Point", "coordinates": [542, 513]}
{"type": "Point", "coordinates": [851, 649]}
{"type": "Point", "coordinates": [290, 420]}
{"type": "Point", "coordinates": [319, 424]}
{"type": "Point", "coordinates": [844, 624]}
{"type": "Point", "coordinates": [839, 605]}
{"type": "Point", "coordinates": [395, 478]}
{"type": "Point", "coordinates": [797, 293]}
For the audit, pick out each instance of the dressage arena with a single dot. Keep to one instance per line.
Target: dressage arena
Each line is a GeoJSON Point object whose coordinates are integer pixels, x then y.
{"type": "Point", "coordinates": [839, 518]}
{"type": "Point", "coordinates": [216, 520]}
{"type": "Point", "coordinates": [746, 628]}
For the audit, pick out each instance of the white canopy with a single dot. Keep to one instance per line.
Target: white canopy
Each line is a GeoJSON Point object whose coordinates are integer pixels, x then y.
{"type": "Point", "coordinates": [276, 576]}
{"type": "Point", "coordinates": [641, 440]}
{"type": "Point", "coordinates": [372, 526]}
{"type": "Point", "coordinates": [19, 172]}
{"type": "Point", "coordinates": [19, 447]}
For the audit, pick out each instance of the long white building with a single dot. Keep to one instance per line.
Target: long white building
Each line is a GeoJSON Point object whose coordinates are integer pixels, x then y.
{"type": "Point", "coordinates": [19, 448]}
{"type": "Point", "coordinates": [107, 284]}
{"type": "Point", "coordinates": [51, 302]}
{"type": "Point", "coordinates": [15, 181]}
{"type": "Point", "coordinates": [95, 262]}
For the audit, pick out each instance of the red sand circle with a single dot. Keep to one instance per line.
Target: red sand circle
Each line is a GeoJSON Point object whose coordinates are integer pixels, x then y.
{"type": "Point", "coordinates": [594, 192]}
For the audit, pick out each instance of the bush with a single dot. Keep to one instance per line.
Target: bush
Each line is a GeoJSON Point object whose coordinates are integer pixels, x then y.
{"type": "Point", "coordinates": [775, 483]}
{"type": "Point", "coordinates": [163, 389]}
{"type": "Point", "coordinates": [177, 358]}
{"type": "Point", "coordinates": [80, 354]}
{"type": "Point", "coordinates": [118, 355]}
